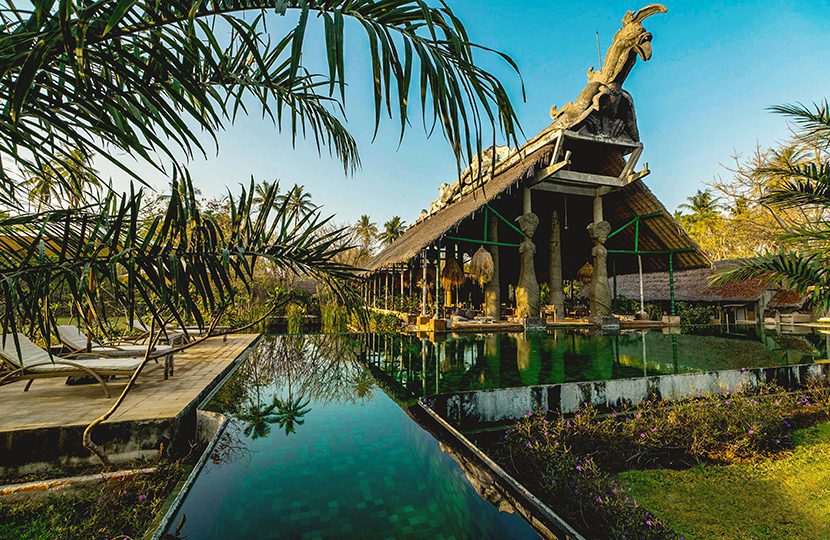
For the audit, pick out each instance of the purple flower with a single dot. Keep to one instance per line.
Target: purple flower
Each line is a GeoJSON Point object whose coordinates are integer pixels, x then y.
{"type": "Point", "coordinates": [142, 497]}
{"type": "Point", "coordinates": [598, 499]}
{"type": "Point", "coordinates": [727, 402]}
{"type": "Point", "coordinates": [777, 441]}
{"type": "Point", "coordinates": [787, 424]}
{"type": "Point", "coordinates": [654, 430]}
{"type": "Point", "coordinates": [642, 435]}
{"type": "Point", "coordinates": [578, 468]}
{"type": "Point", "coordinates": [751, 431]}
{"type": "Point", "coordinates": [649, 522]}
{"type": "Point", "coordinates": [638, 415]}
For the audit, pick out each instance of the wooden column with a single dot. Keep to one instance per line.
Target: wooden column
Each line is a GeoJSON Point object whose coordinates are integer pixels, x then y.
{"type": "Point", "coordinates": [386, 291]}
{"type": "Point", "coordinates": [557, 293]}
{"type": "Point", "coordinates": [402, 298]}
{"type": "Point", "coordinates": [492, 290]}
{"type": "Point", "coordinates": [424, 284]}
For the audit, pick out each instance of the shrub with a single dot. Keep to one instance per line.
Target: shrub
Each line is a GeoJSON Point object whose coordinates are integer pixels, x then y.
{"type": "Point", "coordinates": [294, 315]}
{"type": "Point", "coordinates": [569, 459]}
{"type": "Point", "coordinates": [695, 315]}
{"type": "Point", "coordinates": [333, 317]}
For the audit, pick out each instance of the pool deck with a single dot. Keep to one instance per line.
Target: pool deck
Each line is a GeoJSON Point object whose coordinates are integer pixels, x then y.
{"type": "Point", "coordinates": [52, 412]}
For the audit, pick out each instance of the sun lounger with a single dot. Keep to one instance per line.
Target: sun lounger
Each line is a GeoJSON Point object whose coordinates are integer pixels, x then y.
{"type": "Point", "coordinates": [31, 362]}
{"type": "Point", "coordinates": [71, 336]}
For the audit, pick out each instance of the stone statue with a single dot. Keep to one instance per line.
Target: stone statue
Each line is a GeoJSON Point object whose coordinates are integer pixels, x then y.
{"type": "Point", "coordinates": [600, 291]}
{"type": "Point", "coordinates": [527, 289]}
{"type": "Point", "coordinates": [604, 108]}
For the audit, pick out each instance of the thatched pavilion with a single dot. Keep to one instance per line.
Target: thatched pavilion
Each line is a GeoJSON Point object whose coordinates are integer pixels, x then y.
{"type": "Point", "coordinates": [566, 205]}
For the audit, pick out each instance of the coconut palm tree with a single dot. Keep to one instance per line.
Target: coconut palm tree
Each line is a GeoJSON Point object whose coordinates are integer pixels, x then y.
{"type": "Point", "coordinates": [262, 188]}
{"type": "Point", "coordinates": [366, 232]}
{"type": "Point", "coordinates": [80, 175]}
{"type": "Point", "coordinates": [298, 203]}
{"type": "Point", "coordinates": [44, 188]}
{"type": "Point", "coordinates": [805, 266]}
{"type": "Point", "coordinates": [392, 230]}
{"type": "Point", "coordinates": [701, 205]}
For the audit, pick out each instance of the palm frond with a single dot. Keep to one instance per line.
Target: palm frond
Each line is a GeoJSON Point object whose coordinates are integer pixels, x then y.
{"type": "Point", "coordinates": [136, 76]}
{"type": "Point", "coordinates": [806, 274]}
{"type": "Point", "coordinates": [813, 120]}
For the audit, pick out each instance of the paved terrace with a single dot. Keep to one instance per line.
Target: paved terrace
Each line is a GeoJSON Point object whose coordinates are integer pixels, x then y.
{"type": "Point", "coordinates": [51, 413]}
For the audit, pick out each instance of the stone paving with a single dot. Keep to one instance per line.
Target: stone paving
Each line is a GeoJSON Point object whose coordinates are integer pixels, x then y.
{"type": "Point", "coordinates": [50, 403]}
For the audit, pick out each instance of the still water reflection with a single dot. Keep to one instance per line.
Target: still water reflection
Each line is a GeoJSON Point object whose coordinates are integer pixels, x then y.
{"type": "Point", "coordinates": [315, 449]}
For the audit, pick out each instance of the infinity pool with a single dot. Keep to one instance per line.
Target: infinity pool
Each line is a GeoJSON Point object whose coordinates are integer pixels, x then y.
{"type": "Point", "coordinates": [316, 449]}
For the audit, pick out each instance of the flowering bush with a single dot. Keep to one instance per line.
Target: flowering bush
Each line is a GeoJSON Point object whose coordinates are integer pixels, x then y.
{"type": "Point", "coordinates": [569, 459]}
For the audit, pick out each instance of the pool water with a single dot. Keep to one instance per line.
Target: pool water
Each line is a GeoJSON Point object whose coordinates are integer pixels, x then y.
{"type": "Point", "coordinates": [462, 362]}
{"type": "Point", "coordinates": [315, 449]}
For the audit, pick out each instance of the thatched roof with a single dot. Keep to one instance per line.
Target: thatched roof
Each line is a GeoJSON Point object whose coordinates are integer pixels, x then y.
{"type": "Point", "coordinates": [656, 234]}
{"type": "Point", "coordinates": [693, 286]}
{"type": "Point", "coordinates": [520, 165]}
{"type": "Point", "coordinates": [660, 233]}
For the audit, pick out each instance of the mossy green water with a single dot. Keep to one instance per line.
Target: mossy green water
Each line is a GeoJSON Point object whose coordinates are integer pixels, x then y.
{"type": "Point", "coordinates": [774, 498]}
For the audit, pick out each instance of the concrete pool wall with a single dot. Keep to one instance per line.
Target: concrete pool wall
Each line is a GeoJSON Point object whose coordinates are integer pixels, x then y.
{"type": "Point", "coordinates": [478, 409]}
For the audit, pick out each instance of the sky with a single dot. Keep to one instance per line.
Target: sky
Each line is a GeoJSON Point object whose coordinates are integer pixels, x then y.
{"type": "Point", "coordinates": [716, 68]}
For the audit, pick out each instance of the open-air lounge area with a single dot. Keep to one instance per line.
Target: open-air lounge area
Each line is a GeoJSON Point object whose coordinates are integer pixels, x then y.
{"type": "Point", "coordinates": [404, 269]}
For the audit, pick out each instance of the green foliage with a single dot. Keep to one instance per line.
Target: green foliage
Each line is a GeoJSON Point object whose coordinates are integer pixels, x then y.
{"type": "Point", "coordinates": [625, 305]}
{"type": "Point", "coordinates": [295, 313]}
{"type": "Point", "coordinates": [804, 187]}
{"type": "Point", "coordinates": [122, 509]}
{"type": "Point", "coordinates": [570, 459]}
{"type": "Point", "coordinates": [334, 318]}
{"type": "Point", "coordinates": [134, 77]}
{"type": "Point", "coordinates": [181, 265]}
{"type": "Point", "coordinates": [695, 314]}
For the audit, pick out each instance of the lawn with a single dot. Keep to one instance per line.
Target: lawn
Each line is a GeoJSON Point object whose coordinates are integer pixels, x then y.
{"type": "Point", "coordinates": [776, 498]}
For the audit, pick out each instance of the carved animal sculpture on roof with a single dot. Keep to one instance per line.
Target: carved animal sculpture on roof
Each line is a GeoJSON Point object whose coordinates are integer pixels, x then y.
{"type": "Point", "coordinates": [604, 108]}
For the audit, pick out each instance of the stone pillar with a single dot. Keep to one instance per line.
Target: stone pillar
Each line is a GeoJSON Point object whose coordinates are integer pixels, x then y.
{"type": "Point", "coordinates": [492, 290]}
{"type": "Point", "coordinates": [557, 293]}
{"type": "Point", "coordinates": [600, 291]}
{"type": "Point", "coordinates": [527, 289]}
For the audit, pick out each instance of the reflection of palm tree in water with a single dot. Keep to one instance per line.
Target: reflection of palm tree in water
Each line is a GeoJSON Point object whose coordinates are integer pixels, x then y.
{"type": "Point", "coordinates": [258, 419]}
{"type": "Point", "coordinates": [291, 413]}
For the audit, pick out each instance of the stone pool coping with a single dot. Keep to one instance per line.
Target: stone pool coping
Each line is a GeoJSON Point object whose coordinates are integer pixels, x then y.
{"type": "Point", "coordinates": [534, 511]}
{"type": "Point", "coordinates": [480, 409]}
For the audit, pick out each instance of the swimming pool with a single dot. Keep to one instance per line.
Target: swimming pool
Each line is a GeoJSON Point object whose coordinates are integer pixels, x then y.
{"type": "Point", "coordinates": [316, 449]}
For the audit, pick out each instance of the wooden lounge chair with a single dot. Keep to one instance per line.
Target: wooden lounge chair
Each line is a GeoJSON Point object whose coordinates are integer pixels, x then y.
{"type": "Point", "coordinates": [71, 336]}
{"type": "Point", "coordinates": [173, 336]}
{"type": "Point", "coordinates": [176, 333]}
{"type": "Point", "coordinates": [32, 362]}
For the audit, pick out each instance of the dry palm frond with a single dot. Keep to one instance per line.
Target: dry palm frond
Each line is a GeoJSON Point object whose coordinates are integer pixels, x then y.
{"type": "Point", "coordinates": [586, 273]}
{"type": "Point", "coordinates": [452, 275]}
{"type": "Point", "coordinates": [481, 266]}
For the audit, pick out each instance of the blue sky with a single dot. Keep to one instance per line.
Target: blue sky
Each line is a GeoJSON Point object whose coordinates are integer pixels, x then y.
{"type": "Point", "coordinates": [716, 67]}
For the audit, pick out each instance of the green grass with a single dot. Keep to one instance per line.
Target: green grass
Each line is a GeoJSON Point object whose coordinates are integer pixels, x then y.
{"type": "Point", "coordinates": [774, 498]}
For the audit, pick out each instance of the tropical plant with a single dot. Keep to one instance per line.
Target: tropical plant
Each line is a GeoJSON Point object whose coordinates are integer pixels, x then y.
{"type": "Point", "coordinates": [804, 266]}
{"type": "Point", "coordinates": [702, 204]}
{"type": "Point", "coordinates": [262, 188]}
{"type": "Point", "coordinates": [298, 202]}
{"type": "Point", "coordinates": [366, 231]}
{"type": "Point", "coordinates": [392, 230]}
{"type": "Point", "coordinates": [135, 76]}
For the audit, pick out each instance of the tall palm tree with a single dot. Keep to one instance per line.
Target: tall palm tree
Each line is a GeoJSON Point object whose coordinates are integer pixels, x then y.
{"type": "Point", "coordinates": [80, 175]}
{"type": "Point", "coordinates": [44, 188]}
{"type": "Point", "coordinates": [392, 230]}
{"type": "Point", "coordinates": [805, 266]}
{"type": "Point", "coordinates": [261, 190]}
{"type": "Point", "coordinates": [702, 204]}
{"type": "Point", "coordinates": [298, 202]}
{"type": "Point", "coordinates": [366, 231]}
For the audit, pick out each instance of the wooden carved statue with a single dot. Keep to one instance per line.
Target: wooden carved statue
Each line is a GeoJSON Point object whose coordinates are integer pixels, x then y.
{"type": "Point", "coordinates": [603, 107]}
{"type": "Point", "coordinates": [600, 291]}
{"type": "Point", "coordinates": [527, 289]}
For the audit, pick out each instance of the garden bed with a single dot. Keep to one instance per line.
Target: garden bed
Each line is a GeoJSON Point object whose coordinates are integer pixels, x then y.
{"type": "Point", "coordinates": [580, 464]}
